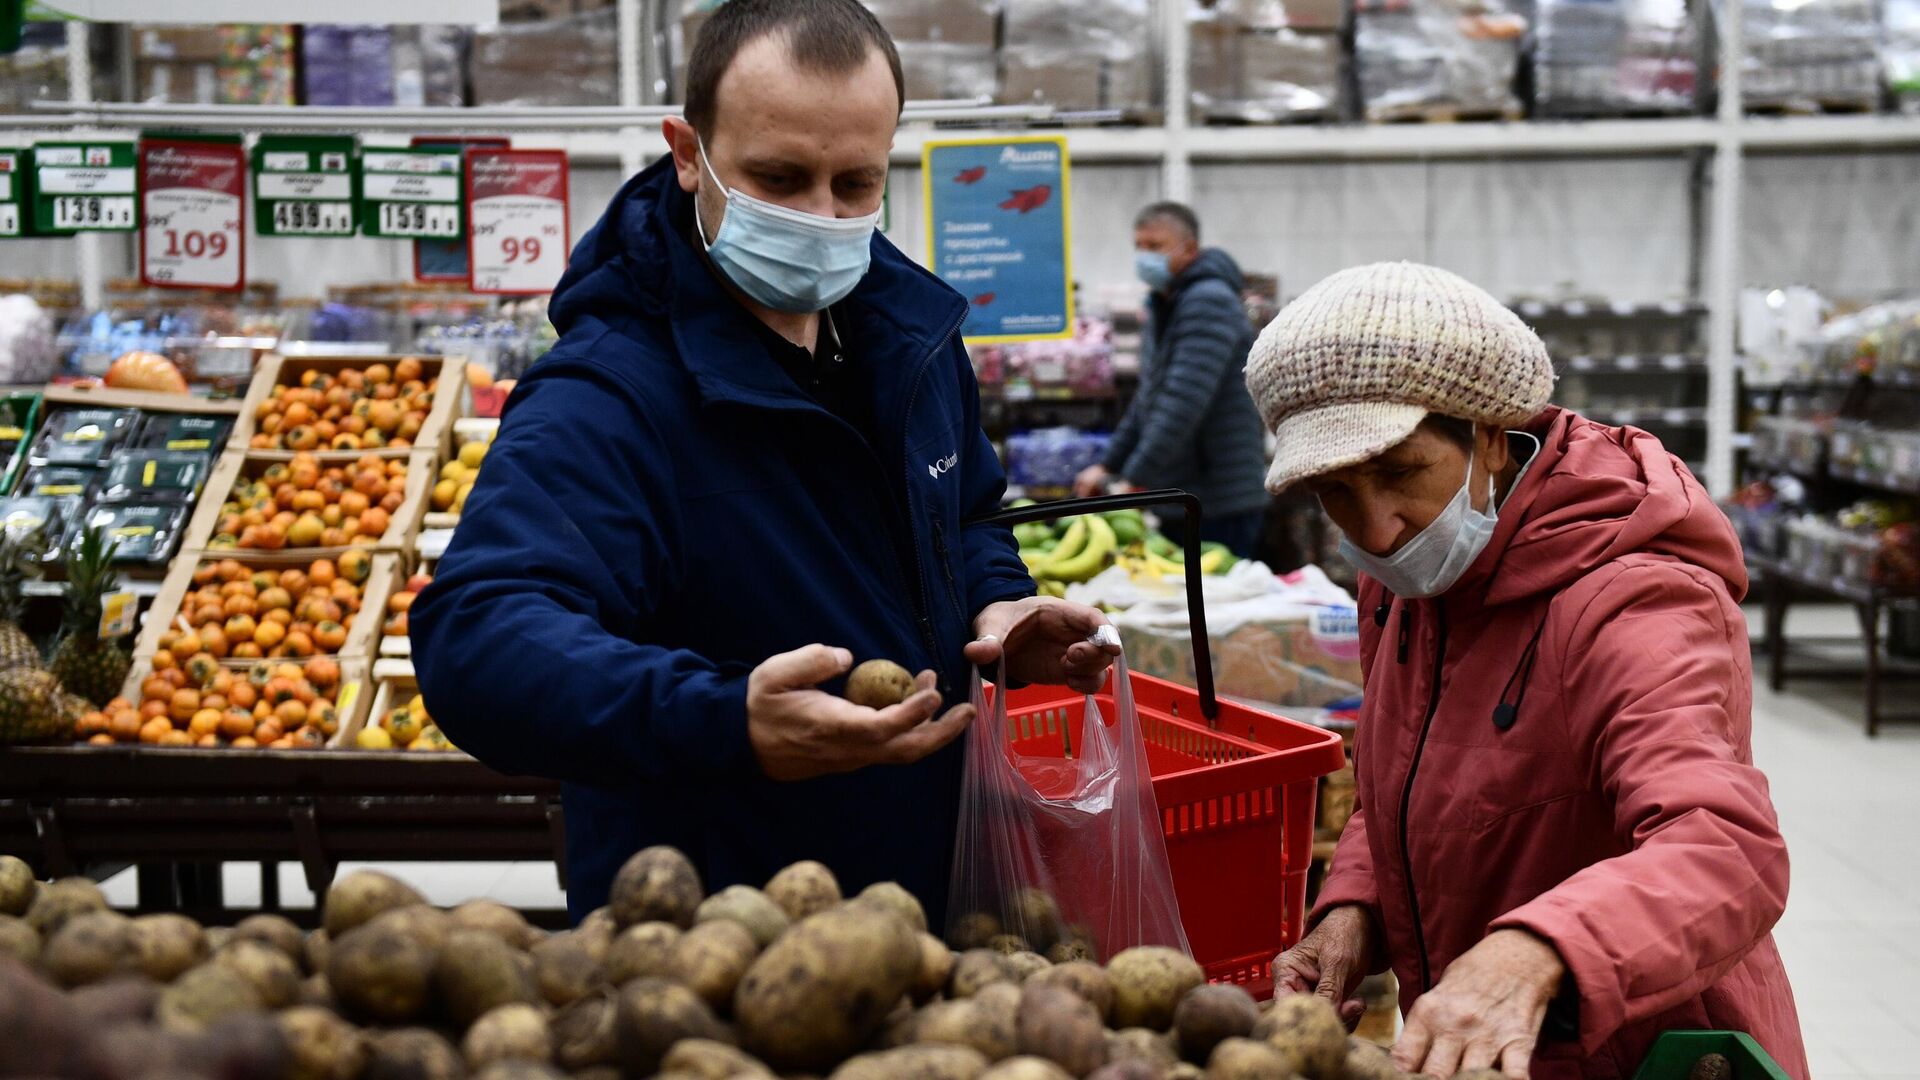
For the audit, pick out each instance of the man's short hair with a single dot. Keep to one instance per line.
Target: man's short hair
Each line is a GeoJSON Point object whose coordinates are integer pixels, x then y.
{"type": "Point", "coordinates": [829, 37]}
{"type": "Point", "coordinates": [1178, 215]}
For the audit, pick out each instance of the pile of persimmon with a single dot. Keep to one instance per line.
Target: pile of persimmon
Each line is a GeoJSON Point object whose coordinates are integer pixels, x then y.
{"type": "Point", "coordinates": [401, 602]}
{"type": "Point", "coordinates": [373, 408]}
{"type": "Point", "coordinates": [237, 612]}
{"type": "Point", "coordinates": [305, 503]}
{"type": "Point", "coordinates": [283, 706]}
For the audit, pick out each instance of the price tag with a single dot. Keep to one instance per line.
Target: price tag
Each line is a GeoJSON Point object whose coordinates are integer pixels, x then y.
{"type": "Point", "coordinates": [412, 192]}
{"type": "Point", "coordinates": [303, 185]}
{"type": "Point", "coordinates": [12, 186]}
{"type": "Point", "coordinates": [118, 611]}
{"type": "Point", "coordinates": [517, 206]}
{"type": "Point", "coordinates": [194, 199]}
{"type": "Point", "coordinates": [84, 187]}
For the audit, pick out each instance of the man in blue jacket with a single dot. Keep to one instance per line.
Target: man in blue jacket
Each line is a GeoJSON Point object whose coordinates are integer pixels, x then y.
{"type": "Point", "coordinates": [749, 463]}
{"type": "Point", "coordinates": [1192, 424]}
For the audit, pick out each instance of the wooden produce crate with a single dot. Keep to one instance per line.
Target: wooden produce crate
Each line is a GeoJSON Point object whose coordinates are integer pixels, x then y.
{"type": "Point", "coordinates": [464, 431]}
{"type": "Point", "coordinates": [449, 398]}
{"type": "Point", "coordinates": [390, 692]}
{"type": "Point", "coordinates": [363, 628]}
{"type": "Point", "coordinates": [403, 523]}
{"type": "Point", "coordinates": [101, 397]}
{"type": "Point", "coordinates": [349, 697]}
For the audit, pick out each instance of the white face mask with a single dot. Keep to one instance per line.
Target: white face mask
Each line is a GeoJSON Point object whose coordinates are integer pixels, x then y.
{"type": "Point", "coordinates": [786, 259]}
{"type": "Point", "coordinates": [1431, 562]}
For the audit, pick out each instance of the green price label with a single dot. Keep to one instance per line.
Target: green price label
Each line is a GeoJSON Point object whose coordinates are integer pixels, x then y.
{"type": "Point", "coordinates": [412, 193]}
{"type": "Point", "coordinates": [304, 185]}
{"type": "Point", "coordinates": [13, 186]}
{"type": "Point", "coordinates": [88, 186]}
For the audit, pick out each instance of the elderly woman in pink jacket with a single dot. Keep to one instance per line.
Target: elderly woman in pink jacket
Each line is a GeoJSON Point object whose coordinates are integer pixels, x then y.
{"type": "Point", "coordinates": [1562, 846]}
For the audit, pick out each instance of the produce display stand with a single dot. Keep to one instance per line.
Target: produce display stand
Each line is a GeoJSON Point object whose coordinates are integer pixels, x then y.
{"type": "Point", "coordinates": [76, 810]}
{"type": "Point", "coordinates": [1869, 602]}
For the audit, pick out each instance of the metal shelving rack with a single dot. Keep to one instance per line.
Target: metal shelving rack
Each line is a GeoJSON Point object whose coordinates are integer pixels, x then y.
{"type": "Point", "coordinates": [619, 136]}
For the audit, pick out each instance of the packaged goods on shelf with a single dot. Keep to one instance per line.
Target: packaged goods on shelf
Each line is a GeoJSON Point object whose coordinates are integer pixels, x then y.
{"type": "Point", "coordinates": [1811, 56]}
{"type": "Point", "coordinates": [1882, 341]}
{"type": "Point", "coordinates": [1080, 366]}
{"type": "Point", "coordinates": [569, 61]}
{"type": "Point", "coordinates": [1298, 15]}
{"type": "Point", "coordinates": [1439, 58]}
{"type": "Point", "coordinates": [1262, 75]}
{"type": "Point", "coordinates": [373, 66]}
{"type": "Point", "coordinates": [1287, 641]}
{"type": "Point", "coordinates": [29, 353]}
{"type": "Point", "coordinates": [1902, 53]}
{"type": "Point", "coordinates": [1078, 56]}
{"type": "Point", "coordinates": [1052, 457]}
{"type": "Point", "coordinates": [225, 65]}
{"type": "Point", "coordinates": [1608, 57]}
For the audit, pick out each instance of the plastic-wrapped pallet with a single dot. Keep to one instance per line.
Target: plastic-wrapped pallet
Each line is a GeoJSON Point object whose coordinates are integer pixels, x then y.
{"type": "Point", "coordinates": [1608, 57]}
{"type": "Point", "coordinates": [1078, 55]}
{"type": "Point", "coordinates": [567, 61]}
{"type": "Point", "coordinates": [1811, 55]}
{"type": "Point", "coordinates": [37, 71]}
{"type": "Point", "coordinates": [1437, 58]}
{"type": "Point", "coordinates": [946, 46]}
{"type": "Point", "coordinates": [1261, 75]}
{"type": "Point", "coordinates": [1903, 53]}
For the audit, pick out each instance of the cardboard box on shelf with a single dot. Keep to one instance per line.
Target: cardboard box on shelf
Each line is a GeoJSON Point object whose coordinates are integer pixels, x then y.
{"type": "Point", "coordinates": [1066, 82]}
{"type": "Point", "coordinates": [938, 72]}
{"type": "Point", "coordinates": [947, 22]}
{"type": "Point", "coordinates": [177, 43]}
{"type": "Point", "coordinates": [570, 61]}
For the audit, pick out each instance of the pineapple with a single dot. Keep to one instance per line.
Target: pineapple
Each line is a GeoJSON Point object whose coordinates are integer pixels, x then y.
{"type": "Point", "coordinates": [29, 707]}
{"type": "Point", "coordinates": [17, 650]}
{"type": "Point", "coordinates": [84, 664]}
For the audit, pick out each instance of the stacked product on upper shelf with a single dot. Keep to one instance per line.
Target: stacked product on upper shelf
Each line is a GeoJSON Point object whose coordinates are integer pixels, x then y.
{"type": "Point", "coordinates": [1903, 54]}
{"type": "Point", "coordinates": [1266, 61]}
{"type": "Point", "coordinates": [1817, 56]}
{"type": "Point", "coordinates": [946, 46]}
{"type": "Point", "coordinates": [1079, 55]}
{"type": "Point", "coordinates": [376, 66]}
{"type": "Point", "coordinates": [1613, 58]}
{"type": "Point", "coordinates": [1437, 59]}
{"type": "Point", "coordinates": [550, 55]}
{"type": "Point", "coordinates": [214, 65]}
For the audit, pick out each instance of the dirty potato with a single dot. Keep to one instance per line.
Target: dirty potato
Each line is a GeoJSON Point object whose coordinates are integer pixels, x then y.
{"type": "Point", "coordinates": [977, 969]}
{"type": "Point", "coordinates": [825, 987]}
{"type": "Point", "coordinates": [87, 948]}
{"type": "Point", "coordinates": [654, 1014]}
{"type": "Point", "coordinates": [1247, 1059]}
{"type": "Point", "coordinates": [890, 896]}
{"type": "Point", "coordinates": [711, 959]}
{"type": "Point", "coordinates": [275, 930]}
{"type": "Point", "coordinates": [1210, 1015]}
{"type": "Point", "coordinates": [749, 907]}
{"type": "Point", "coordinates": [1307, 1031]}
{"type": "Point", "coordinates": [202, 996]}
{"type": "Point", "coordinates": [56, 902]}
{"type": "Point", "coordinates": [1148, 983]}
{"type": "Point", "coordinates": [804, 890]}
{"type": "Point", "coordinates": [273, 977]}
{"type": "Point", "coordinates": [323, 1046]}
{"type": "Point", "coordinates": [360, 896]}
{"type": "Point", "coordinates": [516, 1032]}
{"type": "Point", "coordinates": [1139, 1044]}
{"type": "Point", "coordinates": [497, 919]}
{"type": "Point", "coordinates": [477, 973]}
{"type": "Point", "coordinates": [565, 968]}
{"type": "Point", "coordinates": [19, 941]}
{"type": "Point", "coordinates": [583, 1033]}
{"type": "Point", "coordinates": [413, 1054]}
{"type": "Point", "coordinates": [1057, 1024]}
{"type": "Point", "coordinates": [936, 969]}
{"type": "Point", "coordinates": [711, 1060]}
{"type": "Point", "coordinates": [656, 884]}
{"type": "Point", "coordinates": [642, 951]}
{"type": "Point", "coordinates": [1083, 977]}
{"type": "Point", "coordinates": [965, 1023]}
{"type": "Point", "coordinates": [915, 1063]}
{"type": "Point", "coordinates": [380, 975]}
{"type": "Point", "coordinates": [1026, 1068]}
{"type": "Point", "coordinates": [17, 885]}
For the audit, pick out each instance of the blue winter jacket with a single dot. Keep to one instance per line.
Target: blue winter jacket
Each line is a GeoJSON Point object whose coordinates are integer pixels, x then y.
{"type": "Point", "coordinates": [664, 509]}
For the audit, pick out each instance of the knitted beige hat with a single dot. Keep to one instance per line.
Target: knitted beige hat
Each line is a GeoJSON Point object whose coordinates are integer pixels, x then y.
{"type": "Point", "coordinates": [1350, 368]}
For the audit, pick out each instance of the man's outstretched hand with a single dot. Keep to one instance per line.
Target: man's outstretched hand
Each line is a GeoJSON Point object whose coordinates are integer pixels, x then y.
{"type": "Point", "coordinates": [1045, 642]}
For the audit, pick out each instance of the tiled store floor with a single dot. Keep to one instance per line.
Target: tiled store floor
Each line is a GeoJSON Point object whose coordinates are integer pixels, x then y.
{"type": "Point", "coordinates": [1850, 808]}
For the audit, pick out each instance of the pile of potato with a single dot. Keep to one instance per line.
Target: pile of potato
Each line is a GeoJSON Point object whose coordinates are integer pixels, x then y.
{"type": "Point", "coordinates": [746, 984]}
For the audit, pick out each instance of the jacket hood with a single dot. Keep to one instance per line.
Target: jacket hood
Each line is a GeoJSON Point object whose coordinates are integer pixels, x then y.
{"type": "Point", "coordinates": [1592, 495]}
{"type": "Point", "coordinates": [1211, 263]}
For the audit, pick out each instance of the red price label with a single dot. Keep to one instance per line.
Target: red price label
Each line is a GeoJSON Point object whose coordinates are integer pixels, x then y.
{"type": "Point", "coordinates": [193, 233]}
{"type": "Point", "coordinates": [517, 220]}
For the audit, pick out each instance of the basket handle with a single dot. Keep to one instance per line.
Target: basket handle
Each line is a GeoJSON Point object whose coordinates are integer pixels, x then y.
{"type": "Point", "coordinates": [1142, 500]}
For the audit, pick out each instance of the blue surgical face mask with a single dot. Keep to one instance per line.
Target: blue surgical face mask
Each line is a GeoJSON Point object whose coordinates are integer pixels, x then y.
{"type": "Point", "coordinates": [1153, 269]}
{"type": "Point", "coordinates": [786, 259]}
{"type": "Point", "coordinates": [1436, 558]}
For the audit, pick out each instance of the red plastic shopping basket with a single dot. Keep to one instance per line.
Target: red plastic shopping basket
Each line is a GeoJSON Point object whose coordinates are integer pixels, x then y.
{"type": "Point", "coordinates": [1235, 786]}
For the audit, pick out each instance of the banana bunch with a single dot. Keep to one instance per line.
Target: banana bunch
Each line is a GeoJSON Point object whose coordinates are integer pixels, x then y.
{"type": "Point", "coordinates": [1076, 550]}
{"type": "Point", "coordinates": [1083, 551]}
{"type": "Point", "coordinates": [1146, 562]}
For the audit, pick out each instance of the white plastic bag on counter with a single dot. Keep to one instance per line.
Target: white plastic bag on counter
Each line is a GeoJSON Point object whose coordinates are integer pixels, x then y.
{"type": "Point", "coordinates": [1063, 850]}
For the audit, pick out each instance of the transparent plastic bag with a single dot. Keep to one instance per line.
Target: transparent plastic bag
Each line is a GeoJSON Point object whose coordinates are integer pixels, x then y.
{"type": "Point", "coordinates": [1061, 850]}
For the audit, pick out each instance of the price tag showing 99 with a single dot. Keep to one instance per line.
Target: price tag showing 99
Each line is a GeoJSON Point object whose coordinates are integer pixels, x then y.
{"type": "Point", "coordinates": [517, 214]}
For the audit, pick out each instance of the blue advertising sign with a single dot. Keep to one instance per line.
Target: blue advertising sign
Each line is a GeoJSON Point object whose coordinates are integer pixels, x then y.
{"type": "Point", "coordinates": [999, 215]}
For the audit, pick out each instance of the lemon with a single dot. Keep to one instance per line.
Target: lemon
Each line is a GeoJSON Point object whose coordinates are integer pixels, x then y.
{"type": "Point", "coordinates": [472, 454]}
{"type": "Point", "coordinates": [460, 496]}
{"type": "Point", "coordinates": [443, 493]}
{"type": "Point", "coordinates": [454, 470]}
{"type": "Point", "coordinates": [373, 738]}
